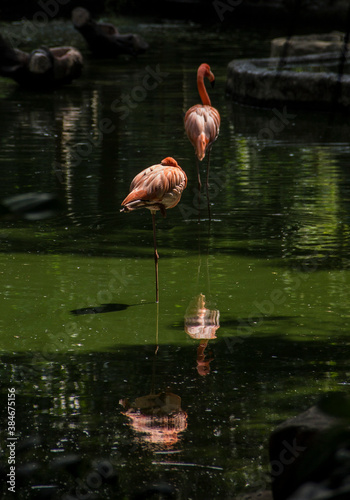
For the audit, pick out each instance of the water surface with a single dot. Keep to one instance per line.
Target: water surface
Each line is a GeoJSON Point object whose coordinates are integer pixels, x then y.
{"type": "Point", "coordinates": [80, 331]}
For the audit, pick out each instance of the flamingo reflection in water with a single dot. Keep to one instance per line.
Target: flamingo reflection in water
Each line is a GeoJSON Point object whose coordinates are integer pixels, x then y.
{"type": "Point", "coordinates": [158, 418]}
{"type": "Point", "coordinates": [201, 323]}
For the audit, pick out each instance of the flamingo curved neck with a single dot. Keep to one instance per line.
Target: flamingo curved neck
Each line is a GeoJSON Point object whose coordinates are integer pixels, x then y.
{"type": "Point", "coordinates": [202, 90]}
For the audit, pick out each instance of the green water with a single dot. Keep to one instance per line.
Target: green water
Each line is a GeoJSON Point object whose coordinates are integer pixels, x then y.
{"type": "Point", "coordinates": [79, 325]}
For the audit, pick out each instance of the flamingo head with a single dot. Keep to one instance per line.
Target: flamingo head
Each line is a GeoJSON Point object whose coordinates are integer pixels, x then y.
{"type": "Point", "coordinates": [205, 71]}
{"type": "Point", "coordinates": [170, 162]}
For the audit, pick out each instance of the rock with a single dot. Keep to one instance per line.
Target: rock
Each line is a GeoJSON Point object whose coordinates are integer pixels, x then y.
{"type": "Point", "coordinates": [307, 44]}
{"type": "Point", "coordinates": [104, 39]}
{"type": "Point", "coordinates": [314, 491]}
{"type": "Point", "coordinates": [258, 495]}
{"type": "Point", "coordinates": [312, 447]}
{"type": "Point", "coordinates": [42, 68]}
{"type": "Point", "coordinates": [30, 206]}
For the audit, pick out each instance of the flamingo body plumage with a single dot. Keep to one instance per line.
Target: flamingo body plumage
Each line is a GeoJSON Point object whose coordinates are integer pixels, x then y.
{"type": "Point", "coordinates": [202, 125]}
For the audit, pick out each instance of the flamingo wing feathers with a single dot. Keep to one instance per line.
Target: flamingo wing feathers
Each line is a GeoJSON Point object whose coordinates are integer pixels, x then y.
{"type": "Point", "coordinates": [137, 194]}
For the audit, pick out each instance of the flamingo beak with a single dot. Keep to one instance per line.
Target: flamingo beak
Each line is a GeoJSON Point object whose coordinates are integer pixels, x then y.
{"type": "Point", "coordinates": [211, 78]}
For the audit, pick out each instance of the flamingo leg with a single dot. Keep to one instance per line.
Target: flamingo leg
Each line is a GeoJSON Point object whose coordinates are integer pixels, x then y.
{"type": "Point", "coordinates": [207, 184]}
{"type": "Point", "coordinates": [157, 343]}
{"type": "Point", "coordinates": [156, 256]}
{"type": "Point", "coordinates": [208, 165]}
{"type": "Point", "coordinates": [199, 190]}
{"type": "Point", "coordinates": [198, 175]}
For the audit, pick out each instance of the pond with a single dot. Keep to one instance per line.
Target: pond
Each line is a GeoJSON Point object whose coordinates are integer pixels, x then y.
{"type": "Point", "coordinates": [83, 344]}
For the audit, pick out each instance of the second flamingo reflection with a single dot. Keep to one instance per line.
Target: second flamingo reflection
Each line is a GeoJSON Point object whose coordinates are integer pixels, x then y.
{"type": "Point", "coordinates": [158, 187]}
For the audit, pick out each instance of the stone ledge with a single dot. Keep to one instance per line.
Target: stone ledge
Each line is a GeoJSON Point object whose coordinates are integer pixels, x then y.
{"type": "Point", "coordinates": [260, 82]}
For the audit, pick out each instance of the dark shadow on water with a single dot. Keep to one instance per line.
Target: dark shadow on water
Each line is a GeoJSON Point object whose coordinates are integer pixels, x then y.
{"type": "Point", "coordinates": [104, 308]}
{"type": "Point", "coordinates": [243, 322]}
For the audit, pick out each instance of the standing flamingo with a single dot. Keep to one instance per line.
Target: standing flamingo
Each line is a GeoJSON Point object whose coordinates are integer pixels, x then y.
{"type": "Point", "coordinates": [202, 121]}
{"type": "Point", "coordinates": [157, 188]}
